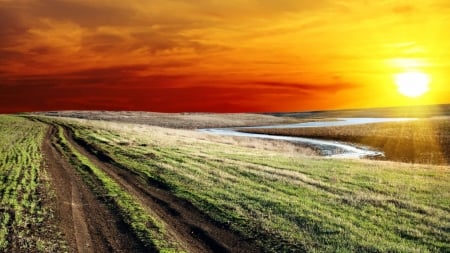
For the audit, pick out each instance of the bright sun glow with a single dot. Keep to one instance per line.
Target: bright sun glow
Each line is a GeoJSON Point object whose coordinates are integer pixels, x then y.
{"type": "Point", "coordinates": [412, 84]}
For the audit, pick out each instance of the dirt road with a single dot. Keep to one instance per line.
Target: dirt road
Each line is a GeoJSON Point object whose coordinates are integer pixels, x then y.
{"type": "Point", "coordinates": [89, 225]}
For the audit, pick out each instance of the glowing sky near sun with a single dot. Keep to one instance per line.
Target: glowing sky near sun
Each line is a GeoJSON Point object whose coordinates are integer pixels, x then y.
{"type": "Point", "coordinates": [254, 55]}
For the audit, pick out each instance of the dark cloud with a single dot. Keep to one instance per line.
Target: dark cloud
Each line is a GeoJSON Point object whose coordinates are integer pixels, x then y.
{"type": "Point", "coordinates": [83, 78]}
{"type": "Point", "coordinates": [103, 38]}
{"type": "Point", "coordinates": [42, 50]}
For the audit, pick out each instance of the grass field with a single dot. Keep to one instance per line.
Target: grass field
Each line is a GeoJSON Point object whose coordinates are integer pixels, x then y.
{"type": "Point", "coordinates": [422, 141]}
{"type": "Point", "coordinates": [273, 196]}
{"type": "Point", "coordinates": [178, 120]}
{"type": "Point", "coordinates": [287, 202]}
{"type": "Point", "coordinates": [25, 216]}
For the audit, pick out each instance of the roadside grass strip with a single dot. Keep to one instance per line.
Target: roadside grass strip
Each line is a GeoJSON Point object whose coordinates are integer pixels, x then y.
{"type": "Point", "coordinates": [148, 230]}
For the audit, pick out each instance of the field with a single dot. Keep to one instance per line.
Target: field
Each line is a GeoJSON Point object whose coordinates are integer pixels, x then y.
{"type": "Point", "coordinates": [141, 188]}
{"type": "Point", "coordinates": [179, 120]}
{"type": "Point", "coordinates": [26, 215]}
{"type": "Point", "coordinates": [423, 111]}
{"type": "Point", "coordinates": [421, 141]}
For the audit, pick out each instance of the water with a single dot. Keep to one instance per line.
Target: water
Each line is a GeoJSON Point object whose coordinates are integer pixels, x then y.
{"type": "Point", "coordinates": [326, 147]}
{"type": "Point", "coordinates": [338, 122]}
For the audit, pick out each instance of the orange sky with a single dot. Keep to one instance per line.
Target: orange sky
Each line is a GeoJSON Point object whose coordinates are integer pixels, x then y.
{"type": "Point", "coordinates": [223, 56]}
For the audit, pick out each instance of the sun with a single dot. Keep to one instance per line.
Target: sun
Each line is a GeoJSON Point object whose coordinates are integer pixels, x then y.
{"type": "Point", "coordinates": [412, 84]}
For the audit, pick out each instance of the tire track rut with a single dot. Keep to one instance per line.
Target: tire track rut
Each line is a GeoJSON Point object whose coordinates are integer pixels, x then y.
{"type": "Point", "coordinates": [86, 223]}
{"type": "Point", "coordinates": [184, 222]}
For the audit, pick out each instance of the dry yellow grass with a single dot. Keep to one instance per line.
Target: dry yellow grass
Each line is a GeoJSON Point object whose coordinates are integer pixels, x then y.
{"type": "Point", "coordinates": [180, 120]}
{"type": "Point", "coordinates": [131, 134]}
{"type": "Point", "coordinates": [421, 141]}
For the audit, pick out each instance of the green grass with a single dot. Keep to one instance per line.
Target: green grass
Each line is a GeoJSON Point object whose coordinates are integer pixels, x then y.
{"type": "Point", "coordinates": [149, 230]}
{"type": "Point", "coordinates": [287, 202]}
{"type": "Point", "coordinates": [422, 141]}
{"type": "Point", "coordinates": [24, 219]}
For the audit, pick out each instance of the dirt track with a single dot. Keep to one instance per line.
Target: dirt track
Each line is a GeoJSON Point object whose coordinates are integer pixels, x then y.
{"type": "Point", "coordinates": [87, 223]}
{"type": "Point", "coordinates": [89, 226]}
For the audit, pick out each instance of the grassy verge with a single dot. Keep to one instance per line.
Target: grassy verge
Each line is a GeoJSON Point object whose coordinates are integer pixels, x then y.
{"type": "Point", "coordinates": [422, 141]}
{"type": "Point", "coordinates": [149, 231]}
{"type": "Point", "coordinates": [25, 219]}
{"type": "Point", "coordinates": [290, 203]}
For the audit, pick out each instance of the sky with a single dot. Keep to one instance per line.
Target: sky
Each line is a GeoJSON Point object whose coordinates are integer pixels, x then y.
{"type": "Point", "coordinates": [219, 56]}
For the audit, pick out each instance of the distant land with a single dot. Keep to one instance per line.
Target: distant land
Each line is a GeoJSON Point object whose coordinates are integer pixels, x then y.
{"type": "Point", "coordinates": [422, 111]}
